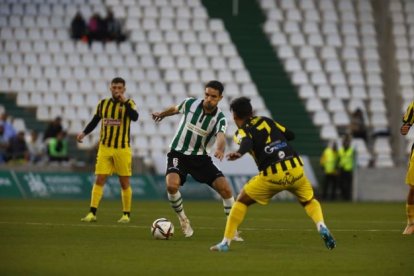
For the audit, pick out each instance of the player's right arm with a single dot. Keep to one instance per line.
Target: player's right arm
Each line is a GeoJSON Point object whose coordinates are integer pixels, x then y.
{"type": "Point", "coordinates": [158, 116]}
{"type": "Point", "coordinates": [92, 124]}
{"type": "Point", "coordinates": [172, 110]}
{"type": "Point", "coordinates": [408, 119]}
{"type": "Point", "coordinates": [245, 145]}
{"type": "Point", "coordinates": [89, 128]}
{"type": "Point", "coordinates": [405, 128]}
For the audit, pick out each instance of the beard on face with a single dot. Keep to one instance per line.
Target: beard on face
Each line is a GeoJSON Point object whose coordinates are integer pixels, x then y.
{"type": "Point", "coordinates": [209, 106]}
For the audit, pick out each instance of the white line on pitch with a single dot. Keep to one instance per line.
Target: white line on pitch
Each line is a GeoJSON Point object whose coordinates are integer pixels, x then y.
{"type": "Point", "coordinates": [197, 227]}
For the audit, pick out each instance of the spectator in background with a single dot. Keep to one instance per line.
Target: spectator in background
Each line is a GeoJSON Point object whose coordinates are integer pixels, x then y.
{"type": "Point", "coordinates": [57, 148]}
{"type": "Point", "coordinates": [113, 30]}
{"type": "Point", "coordinates": [4, 144]}
{"type": "Point", "coordinates": [36, 147]}
{"type": "Point", "coordinates": [96, 28]}
{"type": "Point", "coordinates": [78, 28]}
{"type": "Point", "coordinates": [346, 163]}
{"type": "Point", "coordinates": [358, 128]}
{"type": "Point", "coordinates": [53, 128]}
{"type": "Point", "coordinates": [9, 131]}
{"type": "Point", "coordinates": [329, 163]}
{"type": "Point", "coordinates": [17, 150]}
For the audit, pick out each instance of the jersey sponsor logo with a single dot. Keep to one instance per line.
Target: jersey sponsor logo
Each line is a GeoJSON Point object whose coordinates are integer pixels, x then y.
{"type": "Point", "coordinates": [288, 179]}
{"type": "Point", "coordinates": [196, 129]}
{"type": "Point", "coordinates": [175, 162]}
{"type": "Point", "coordinates": [112, 122]}
{"type": "Point", "coordinates": [272, 147]}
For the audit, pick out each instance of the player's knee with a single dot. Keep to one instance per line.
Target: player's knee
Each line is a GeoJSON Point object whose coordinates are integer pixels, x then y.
{"type": "Point", "coordinates": [100, 181]}
{"type": "Point", "coordinates": [171, 190]}
{"type": "Point", "coordinates": [304, 203]}
{"type": "Point", "coordinates": [226, 193]}
{"type": "Point", "coordinates": [223, 189]}
{"type": "Point", "coordinates": [172, 187]}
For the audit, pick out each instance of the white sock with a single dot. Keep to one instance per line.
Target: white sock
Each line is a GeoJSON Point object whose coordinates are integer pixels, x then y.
{"type": "Point", "coordinates": [176, 202]}
{"type": "Point", "coordinates": [319, 224]}
{"type": "Point", "coordinates": [227, 203]}
{"type": "Point", "coordinates": [225, 240]}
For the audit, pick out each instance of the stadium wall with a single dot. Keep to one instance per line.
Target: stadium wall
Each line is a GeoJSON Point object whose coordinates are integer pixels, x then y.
{"type": "Point", "coordinates": [77, 185]}
{"type": "Point", "coordinates": [369, 185]}
{"type": "Point", "coordinates": [379, 184]}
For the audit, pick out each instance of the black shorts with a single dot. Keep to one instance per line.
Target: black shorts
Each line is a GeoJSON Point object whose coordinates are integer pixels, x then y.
{"type": "Point", "coordinates": [200, 167]}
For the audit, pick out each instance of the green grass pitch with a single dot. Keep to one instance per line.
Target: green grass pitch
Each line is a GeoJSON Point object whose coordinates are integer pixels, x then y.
{"type": "Point", "coordinates": [46, 237]}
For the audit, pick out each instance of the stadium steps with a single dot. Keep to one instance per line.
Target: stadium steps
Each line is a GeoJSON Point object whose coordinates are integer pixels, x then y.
{"type": "Point", "coordinates": [267, 72]}
{"type": "Point", "coordinates": [29, 117]}
{"type": "Point", "coordinates": [27, 114]}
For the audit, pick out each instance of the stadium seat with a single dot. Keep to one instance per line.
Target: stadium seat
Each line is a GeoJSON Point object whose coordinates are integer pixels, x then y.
{"type": "Point", "coordinates": [314, 104]}
{"type": "Point", "coordinates": [321, 117]}
{"type": "Point", "coordinates": [329, 132]}
{"type": "Point", "coordinates": [324, 92]}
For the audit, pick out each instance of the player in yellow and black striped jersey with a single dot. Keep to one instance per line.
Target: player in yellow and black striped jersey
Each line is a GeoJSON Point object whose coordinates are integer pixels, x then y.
{"type": "Point", "coordinates": [114, 153]}
{"type": "Point", "coordinates": [115, 131]}
{"type": "Point", "coordinates": [408, 121]}
{"type": "Point", "coordinates": [280, 168]}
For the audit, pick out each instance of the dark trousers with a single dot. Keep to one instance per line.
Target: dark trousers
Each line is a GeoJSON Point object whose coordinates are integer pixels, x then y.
{"type": "Point", "coordinates": [346, 184]}
{"type": "Point", "coordinates": [330, 186]}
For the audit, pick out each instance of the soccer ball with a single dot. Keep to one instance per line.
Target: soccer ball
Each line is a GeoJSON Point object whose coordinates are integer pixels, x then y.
{"type": "Point", "coordinates": [162, 229]}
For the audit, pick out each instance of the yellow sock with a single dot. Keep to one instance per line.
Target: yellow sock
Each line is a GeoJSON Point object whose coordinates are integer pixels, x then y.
{"type": "Point", "coordinates": [314, 211]}
{"type": "Point", "coordinates": [237, 213]}
{"type": "Point", "coordinates": [126, 199]}
{"type": "Point", "coordinates": [96, 195]}
{"type": "Point", "coordinates": [410, 213]}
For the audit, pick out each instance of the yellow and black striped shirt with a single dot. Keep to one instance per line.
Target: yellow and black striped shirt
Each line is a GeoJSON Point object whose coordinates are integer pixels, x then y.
{"type": "Point", "coordinates": [116, 122]}
{"type": "Point", "coordinates": [266, 140]}
{"type": "Point", "coordinates": [408, 117]}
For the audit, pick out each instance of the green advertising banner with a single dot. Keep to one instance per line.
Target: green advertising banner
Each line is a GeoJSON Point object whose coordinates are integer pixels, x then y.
{"type": "Point", "coordinates": [190, 190]}
{"type": "Point", "coordinates": [69, 185]}
{"type": "Point", "coordinates": [8, 187]}
{"type": "Point", "coordinates": [142, 187]}
{"type": "Point", "coordinates": [78, 186]}
{"type": "Point", "coordinates": [52, 185]}
{"type": "Point", "coordinates": [195, 190]}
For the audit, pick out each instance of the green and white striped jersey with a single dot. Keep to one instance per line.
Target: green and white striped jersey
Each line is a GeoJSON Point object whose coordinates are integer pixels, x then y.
{"type": "Point", "coordinates": [197, 131]}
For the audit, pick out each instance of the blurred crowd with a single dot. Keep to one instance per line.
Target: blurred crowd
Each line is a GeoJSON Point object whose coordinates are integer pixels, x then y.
{"type": "Point", "coordinates": [22, 147]}
{"type": "Point", "coordinates": [97, 28]}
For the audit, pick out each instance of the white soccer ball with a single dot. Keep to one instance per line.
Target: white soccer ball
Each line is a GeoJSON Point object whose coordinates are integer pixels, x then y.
{"type": "Point", "coordinates": [162, 229]}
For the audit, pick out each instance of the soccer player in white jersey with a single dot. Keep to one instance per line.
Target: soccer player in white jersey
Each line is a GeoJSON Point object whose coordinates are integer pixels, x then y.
{"type": "Point", "coordinates": [202, 125]}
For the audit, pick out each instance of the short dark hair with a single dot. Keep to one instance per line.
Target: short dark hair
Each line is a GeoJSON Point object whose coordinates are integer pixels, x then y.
{"type": "Point", "coordinates": [118, 80]}
{"type": "Point", "coordinates": [215, 85]}
{"type": "Point", "coordinates": [242, 107]}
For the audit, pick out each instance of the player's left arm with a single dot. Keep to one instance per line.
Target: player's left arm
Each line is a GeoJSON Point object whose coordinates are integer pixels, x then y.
{"type": "Point", "coordinates": [221, 139]}
{"type": "Point", "coordinates": [220, 145]}
{"type": "Point", "coordinates": [131, 109]}
{"type": "Point", "coordinates": [289, 135]}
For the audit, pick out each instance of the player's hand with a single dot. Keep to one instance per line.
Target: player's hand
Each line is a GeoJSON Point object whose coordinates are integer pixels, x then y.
{"type": "Point", "coordinates": [233, 156]}
{"type": "Point", "coordinates": [80, 137]}
{"type": "Point", "coordinates": [156, 116]}
{"type": "Point", "coordinates": [219, 155]}
{"type": "Point", "coordinates": [121, 97]}
{"type": "Point", "coordinates": [405, 129]}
